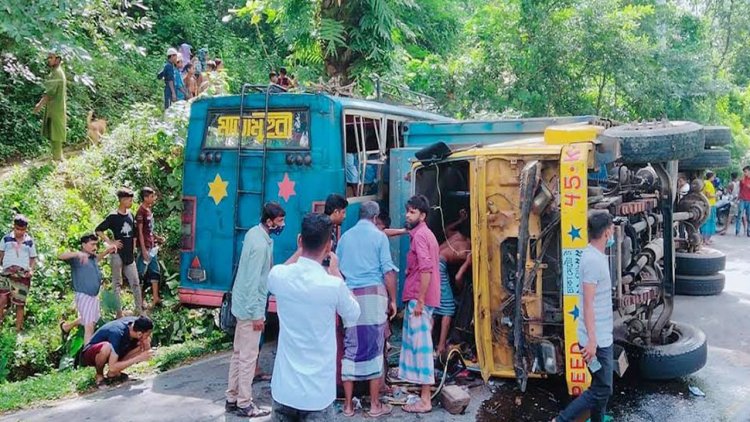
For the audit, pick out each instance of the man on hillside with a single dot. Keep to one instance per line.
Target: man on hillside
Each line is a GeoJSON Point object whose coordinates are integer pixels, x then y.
{"type": "Point", "coordinates": [18, 256]}
{"type": "Point", "coordinates": [122, 225]}
{"type": "Point", "coordinates": [148, 263]}
{"type": "Point", "coordinates": [249, 296]}
{"type": "Point", "coordinates": [167, 73]}
{"type": "Point", "coordinates": [595, 327]}
{"type": "Point", "coordinates": [118, 344]}
{"type": "Point", "coordinates": [308, 298]}
{"type": "Point", "coordinates": [54, 125]}
{"type": "Point", "coordinates": [743, 215]}
{"type": "Point", "coordinates": [365, 258]}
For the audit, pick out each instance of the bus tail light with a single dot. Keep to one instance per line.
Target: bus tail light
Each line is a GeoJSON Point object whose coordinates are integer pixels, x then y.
{"type": "Point", "coordinates": [187, 240]}
{"type": "Point", "coordinates": [196, 272]}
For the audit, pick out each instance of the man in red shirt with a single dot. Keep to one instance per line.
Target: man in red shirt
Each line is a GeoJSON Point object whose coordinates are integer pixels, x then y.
{"type": "Point", "coordinates": [421, 295]}
{"type": "Point", "coordinates": [147, 262]}
{"type": "Point", "coordinates": [743, 214]}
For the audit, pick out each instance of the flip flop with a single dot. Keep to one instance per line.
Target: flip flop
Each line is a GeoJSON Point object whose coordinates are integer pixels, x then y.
{"type": "Point", "coordinates": [347, 414]}
{"type": "Point", "coordinates": [412, 408]}
{"type": "Point", "coordinates": [385, 409]}
{"type": "Point", "coordinates": [262, 378]}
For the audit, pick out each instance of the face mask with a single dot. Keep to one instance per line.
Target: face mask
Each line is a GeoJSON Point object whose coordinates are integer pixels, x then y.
{"type": "Point", "coordinates": [276, 230]}
{"type": "Point", "coordinates": [611, 241]}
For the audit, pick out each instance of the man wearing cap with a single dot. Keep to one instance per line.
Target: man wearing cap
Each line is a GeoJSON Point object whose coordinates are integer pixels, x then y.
{"type": "Point", "coordinates": [170, 93]}
{"type": "Point", "coordinates": [55, 120]}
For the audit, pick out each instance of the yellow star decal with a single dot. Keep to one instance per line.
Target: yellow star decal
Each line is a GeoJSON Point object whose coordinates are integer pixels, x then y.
{"type": "Point", "coordinates": [217, 189]}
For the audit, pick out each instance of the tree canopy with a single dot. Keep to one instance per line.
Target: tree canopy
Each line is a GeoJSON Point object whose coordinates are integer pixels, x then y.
{"type": "Point", "coordinates": [625, 59]}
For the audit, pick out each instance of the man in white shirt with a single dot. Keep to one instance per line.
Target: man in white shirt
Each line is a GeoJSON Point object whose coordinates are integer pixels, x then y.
{"type": "Point", "coordinates": [307, 300]}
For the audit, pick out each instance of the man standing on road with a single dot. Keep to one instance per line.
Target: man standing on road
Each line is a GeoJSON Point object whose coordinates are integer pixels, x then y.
{"type": "Point", "coordinates": [743, 215]}
{"type": "Point", "coordinates": [335, 209]}
{"type": "Point", "coordinates": [422, 295]}
{"type": "Point", "coordinates": [595, 326]}
{"type": "Point", "coordinates": [365, 257]}
{"type": "Point", "coordinates": [54, 125]}
{"type": "Point", "coordinates": [122, 225]}
{"type": "Point", "coordinates": [249, 296]}
{"type": "Point", "coordinates": [304, 382]}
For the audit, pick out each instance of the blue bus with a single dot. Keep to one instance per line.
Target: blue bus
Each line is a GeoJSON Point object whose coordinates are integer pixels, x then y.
{"type": "Point", "coordinates": [287, 147]}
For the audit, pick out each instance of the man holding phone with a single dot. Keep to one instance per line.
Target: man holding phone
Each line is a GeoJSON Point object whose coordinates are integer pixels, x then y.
{"type": "Point", "coordinates": [595, 327]}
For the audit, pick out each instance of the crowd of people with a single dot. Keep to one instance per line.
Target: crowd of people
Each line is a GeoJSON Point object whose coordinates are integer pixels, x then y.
{"type": "Point", "coordinates": [730, 202]}
{"type": "Point", "coordinates": [187, 75]}
{"type": "Point", "coordinates": [349, 275]}
{"type": "Point", "coordinates": [133, 254]}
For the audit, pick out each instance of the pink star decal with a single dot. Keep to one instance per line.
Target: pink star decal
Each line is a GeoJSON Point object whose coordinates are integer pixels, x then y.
{"type": "Point", "coordinates": [286, 188]}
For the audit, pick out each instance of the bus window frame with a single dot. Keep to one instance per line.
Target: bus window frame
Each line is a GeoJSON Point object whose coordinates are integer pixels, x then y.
{"type": "Point", "coordinates": [383, 118]}
{"type": "Point", "coordinates": [212, 111]}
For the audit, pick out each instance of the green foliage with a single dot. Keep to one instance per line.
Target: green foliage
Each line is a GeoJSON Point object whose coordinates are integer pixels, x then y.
{"type": "Point", "coordinates": [65, 200]}
{"type": "Point", "coordinates": [40, 388]}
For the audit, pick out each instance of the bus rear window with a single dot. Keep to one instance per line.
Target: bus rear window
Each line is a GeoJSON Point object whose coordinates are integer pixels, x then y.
{"type": "Point", "coordinates": [286, 129]}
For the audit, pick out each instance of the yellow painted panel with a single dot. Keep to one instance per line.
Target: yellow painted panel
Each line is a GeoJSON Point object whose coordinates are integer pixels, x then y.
{"type": "Point", "coordinates": [569, 134]}
{"type": "Point", "coordinates": [573, 225]}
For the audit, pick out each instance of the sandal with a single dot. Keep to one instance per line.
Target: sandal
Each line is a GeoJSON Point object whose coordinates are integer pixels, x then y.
{"type": "Point", "coordinates": [63, 333]}
{"type": "Point", "coordinates": [347, 414]}
{"type": "Point", "coordinates": [385, 409]}
{"type": "Point", "coordinates": [416, 408]}
{"type": "Point", "coordinates": [261, 378]}
{"type": "Point", "coordinates": [122, 377]}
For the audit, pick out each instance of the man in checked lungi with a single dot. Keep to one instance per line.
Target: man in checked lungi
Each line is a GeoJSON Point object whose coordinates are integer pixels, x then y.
{"type": "Point", "coordinates": [366, 264]}
{"type": "Point", "coordinates": [422, 295]}
{"type": "Point", "coordinates": [18, 256]}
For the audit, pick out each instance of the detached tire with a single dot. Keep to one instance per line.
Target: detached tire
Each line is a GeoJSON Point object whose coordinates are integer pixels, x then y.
{"type": "Point", "coordinates": [658, 142]}
{"type": "Point", "coordinates": [717, 136]}
{"type": "Point", "coordinates": [699, 285]}
{"type": "Point", "coordinates": [685, 354]}
{"type": "Point", "coordinates": [714, 158]}
{"type": "Point", "coordinates": [706, 261]}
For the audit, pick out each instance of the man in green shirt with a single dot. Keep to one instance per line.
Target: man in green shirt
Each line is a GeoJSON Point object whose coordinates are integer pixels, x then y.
{"type": "Point", "coordinates": [55, 119]}
{"type": "Point", "coordinates": [249, 295]}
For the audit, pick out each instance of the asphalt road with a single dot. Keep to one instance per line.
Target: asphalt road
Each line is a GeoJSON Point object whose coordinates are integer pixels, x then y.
{"type": "Point", "coordinates": [196, 392]}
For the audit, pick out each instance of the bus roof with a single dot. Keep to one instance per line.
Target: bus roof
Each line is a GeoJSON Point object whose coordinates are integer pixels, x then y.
{"type": "Point", "coordinates": [255, 99]}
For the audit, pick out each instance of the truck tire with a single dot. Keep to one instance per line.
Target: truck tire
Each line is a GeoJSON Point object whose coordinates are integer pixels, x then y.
{"type": "Point", "coordinates": [717, 136]}
{"type": "Point", "coordinates": [706, 261]}
{"type": "Point", "coordinates": [685, 354]}
{"type": "Point", "coordinates": [709, 158]}
{"type": "Point", "coordinates": [658, 142]}
{"type": "Point", "coordinates": [699, 285]}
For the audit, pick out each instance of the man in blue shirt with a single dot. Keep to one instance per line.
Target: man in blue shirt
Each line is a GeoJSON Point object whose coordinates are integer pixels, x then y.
{"type": "Point", "coordinates": [120, 344]}
{"type": "Point", "coordinates": [170, 92]}
{"type": "Point", "coordinates": [365, 261]}
{"type": "Point", "coordinates": [249, 295]}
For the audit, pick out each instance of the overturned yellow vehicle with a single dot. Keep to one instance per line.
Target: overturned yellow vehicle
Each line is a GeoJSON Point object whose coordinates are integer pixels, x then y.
{"type": "Point", "coordinates": [528, 195]}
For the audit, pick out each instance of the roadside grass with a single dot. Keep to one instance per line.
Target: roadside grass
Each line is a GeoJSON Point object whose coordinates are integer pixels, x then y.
{"type": "Point", "coordinates": [61, 384]}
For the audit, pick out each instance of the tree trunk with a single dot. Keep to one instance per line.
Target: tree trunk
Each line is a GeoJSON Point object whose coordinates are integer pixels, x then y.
{"type": "Point", "coordinates": [338, 64]}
